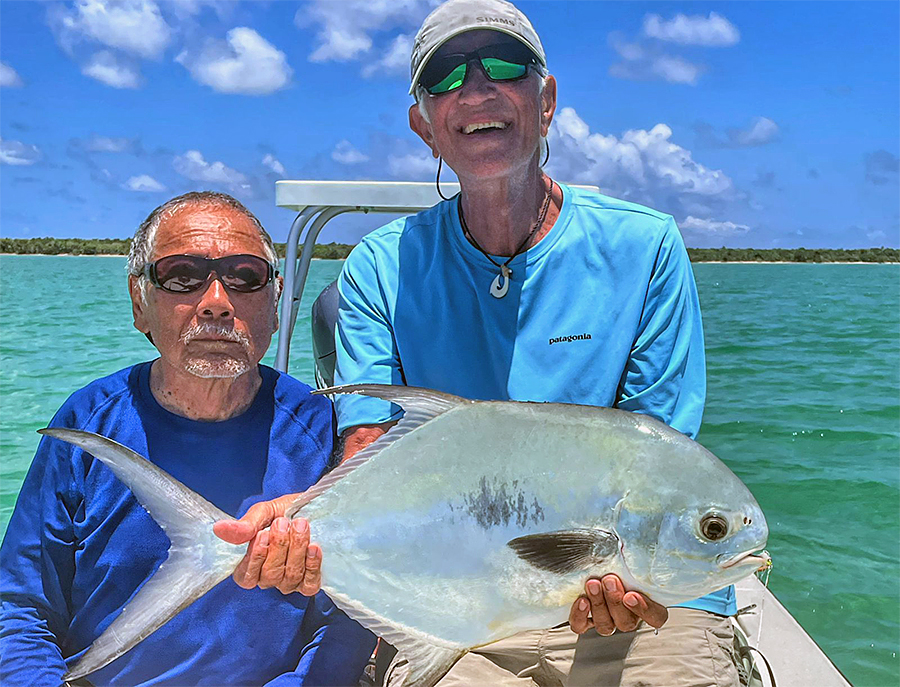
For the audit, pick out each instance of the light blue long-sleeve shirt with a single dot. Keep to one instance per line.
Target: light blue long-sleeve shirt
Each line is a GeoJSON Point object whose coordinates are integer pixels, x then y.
{"type": "Point", "coordinates": [602, 311]}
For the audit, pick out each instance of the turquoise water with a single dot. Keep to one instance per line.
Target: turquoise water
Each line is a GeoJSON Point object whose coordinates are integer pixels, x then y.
{"type": "Point", "coordinates": [804, 404]}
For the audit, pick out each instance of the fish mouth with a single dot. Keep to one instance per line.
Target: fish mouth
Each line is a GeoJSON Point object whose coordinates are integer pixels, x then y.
{"type": "Point", "coordinates": [761, 559]}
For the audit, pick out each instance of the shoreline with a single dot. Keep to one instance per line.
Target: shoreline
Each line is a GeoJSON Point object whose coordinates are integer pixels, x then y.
{"type": "Point", "coordinates": [693, 262]}
{"type": "Point", "coordinates": [96, 255]}
{"type": "Point", "coordinates": [787, 262]}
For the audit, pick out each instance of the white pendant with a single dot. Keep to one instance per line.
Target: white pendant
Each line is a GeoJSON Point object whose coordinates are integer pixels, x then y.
{"type": "Point", "coordinates": [500, 285]}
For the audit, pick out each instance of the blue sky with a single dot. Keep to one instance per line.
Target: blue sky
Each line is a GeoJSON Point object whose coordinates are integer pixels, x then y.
{"type": "Point", "coordinates": [762, 124]}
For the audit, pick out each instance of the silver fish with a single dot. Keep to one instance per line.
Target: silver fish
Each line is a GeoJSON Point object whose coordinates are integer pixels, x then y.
{"type": "Point", "coordinates": [477, 520]}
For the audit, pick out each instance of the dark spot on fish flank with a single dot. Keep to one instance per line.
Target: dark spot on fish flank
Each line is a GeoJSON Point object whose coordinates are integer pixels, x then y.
{"type": "Point", "coordinates": [538, 513]}
{"type": "Point", "coordinates": [521, 510]}
{"type": "Point", "coordinates": [494, 504]}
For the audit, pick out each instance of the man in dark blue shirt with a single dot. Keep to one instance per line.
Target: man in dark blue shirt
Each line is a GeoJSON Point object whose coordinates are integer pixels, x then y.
{"type": "Point", "coordinates": [204, 290]}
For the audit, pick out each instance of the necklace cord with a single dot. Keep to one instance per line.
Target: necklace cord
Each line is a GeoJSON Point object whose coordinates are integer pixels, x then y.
{"type": "Point", "coordinates": [537, 225]}
{"type": "Point", "coordinates": [437, 179]}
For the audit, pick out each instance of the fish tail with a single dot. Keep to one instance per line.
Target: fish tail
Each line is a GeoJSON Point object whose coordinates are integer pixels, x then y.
{"type": "Point", "coordinates": [197, 560]}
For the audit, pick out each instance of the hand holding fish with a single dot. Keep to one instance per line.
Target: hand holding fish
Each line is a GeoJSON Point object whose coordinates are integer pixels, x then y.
{"type": "Point", "coordinates": [609, 607]}
{"type": "Point", "coordinates": [280, 556]}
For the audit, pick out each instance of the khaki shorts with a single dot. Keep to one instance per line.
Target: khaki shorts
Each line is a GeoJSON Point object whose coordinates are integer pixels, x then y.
{"type": "Point", "coordinates": [693, 649]}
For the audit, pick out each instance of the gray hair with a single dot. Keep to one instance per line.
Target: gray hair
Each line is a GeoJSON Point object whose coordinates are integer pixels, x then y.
{"type": "Point", "coordinates": [145, 236]}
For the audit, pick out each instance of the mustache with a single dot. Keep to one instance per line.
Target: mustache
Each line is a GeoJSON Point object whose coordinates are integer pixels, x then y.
{"type": "Point", "coordinates": [206, 329]}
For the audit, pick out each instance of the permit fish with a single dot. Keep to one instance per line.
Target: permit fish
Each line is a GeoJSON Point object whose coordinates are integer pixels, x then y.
{"type": "Point", "coordinates": [469, 521]}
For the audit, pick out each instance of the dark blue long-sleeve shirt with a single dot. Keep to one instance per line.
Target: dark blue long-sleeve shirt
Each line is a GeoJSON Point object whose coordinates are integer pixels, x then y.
{"type": "Point", "coordinates": [79, 546]}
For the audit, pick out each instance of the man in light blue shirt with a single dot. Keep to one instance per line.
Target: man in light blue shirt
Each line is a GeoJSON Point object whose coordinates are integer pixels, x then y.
{"type": "Point", "coordinates": [523, 288]}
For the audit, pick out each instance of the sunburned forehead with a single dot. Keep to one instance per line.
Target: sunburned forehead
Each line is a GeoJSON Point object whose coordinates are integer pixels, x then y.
{"type": "Point", "coordinates": [210, 231]}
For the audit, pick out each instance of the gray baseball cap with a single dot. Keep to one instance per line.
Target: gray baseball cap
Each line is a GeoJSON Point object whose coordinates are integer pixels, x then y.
{"type": "Point", "coordinates": [458, 16]}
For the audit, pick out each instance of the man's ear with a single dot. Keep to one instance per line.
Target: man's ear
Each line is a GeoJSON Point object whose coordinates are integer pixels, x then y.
{"type": "Point", "coordinates": [138, 307]}
{"type": "Point", "coordinates": [548, 104]}
{"type": "Point", "coordinates": [418, 124]}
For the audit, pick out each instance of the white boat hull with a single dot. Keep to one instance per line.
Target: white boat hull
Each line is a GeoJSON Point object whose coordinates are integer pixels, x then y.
{"type": "Point", "coordinates": [794, 657]}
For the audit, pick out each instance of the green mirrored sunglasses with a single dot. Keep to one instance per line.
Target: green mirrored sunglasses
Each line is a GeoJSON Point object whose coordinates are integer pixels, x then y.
{"type": "Point", "coordinates": [500, 62]}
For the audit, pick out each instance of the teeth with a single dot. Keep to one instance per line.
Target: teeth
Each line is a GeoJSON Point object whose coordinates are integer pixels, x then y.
{"type": "Point", "coordinates": [483, 125]}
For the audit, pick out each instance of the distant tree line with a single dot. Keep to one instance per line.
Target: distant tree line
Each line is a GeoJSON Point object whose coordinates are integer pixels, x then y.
{"type": "Point", "coordinates": [794, 254]}
{"type": "Point", "coordinates": [53, 246]}
{"type": "Point", "coordinates": [339, 251]}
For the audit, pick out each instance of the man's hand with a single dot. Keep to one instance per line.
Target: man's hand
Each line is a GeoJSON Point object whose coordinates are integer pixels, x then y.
{"type": "Point", "coordinates": [607, 607]}
{"type": "Point", "coordinates": [281, 556]}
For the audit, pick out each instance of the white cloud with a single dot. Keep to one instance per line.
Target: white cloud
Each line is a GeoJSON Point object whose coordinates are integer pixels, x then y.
{"type": "Point", "coordinates": [9, 77]}
{"type": "Point", "coordinates": [641, 164]}
{"type": "Point", "coordinates": [245, 63]}
{"type": "Point", "coordinates": [272, 163]}
{"type": "Point", "coordinates": [18, 154]}
{"type": "Point", "coordinates": [642, 63]}
{"type": "Point", "coordinates": [107, 68]}
{"type": "Point", "coordinates": [708, 226]}
{"type": "Point", "coordinates": [346, 28]}
{"type": "Point", "coordinates": [340, 45]}
{"type": "Point", "coordinates": [762, 130]}
{"type": "Point", "coordinates": [192, 166]}
{"type": "Point", "coordinates": [106, 144]}
{"type": "Point", "coordinates": [346, 154]}
{"type": "Point", "coordinates": [144, 183]}
{"type": "Point", "coordinates": [676, 69]}
{"type": "Point", "coordinates": [712, 31]}
{"type": "Point", "coordinates": [132, 26]}
{"type": "Point", "coordinates": [395, 60]}
{"type": "Point", "coordinates": [414, 166]}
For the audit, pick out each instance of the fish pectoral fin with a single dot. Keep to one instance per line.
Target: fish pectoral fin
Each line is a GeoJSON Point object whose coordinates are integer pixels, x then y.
{"type": "Point", "coordinates": [566, 551]}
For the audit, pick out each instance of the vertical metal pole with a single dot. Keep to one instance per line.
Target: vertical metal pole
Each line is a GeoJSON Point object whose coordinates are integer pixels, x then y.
{"type": "Point", "coordinates": [306, 256]}
{"type": "Point", "coordinates": [285, 325]}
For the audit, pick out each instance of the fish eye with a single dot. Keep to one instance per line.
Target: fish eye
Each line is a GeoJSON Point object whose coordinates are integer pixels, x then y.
{"type": "Point", "coordinates": [713, 526]}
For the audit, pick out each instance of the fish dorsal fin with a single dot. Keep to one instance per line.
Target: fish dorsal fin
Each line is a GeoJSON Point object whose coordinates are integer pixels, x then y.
{"type": "Point", "coordinates": [420, 406]}
{"type": "Point", "coordinates": [428, 658]}
{"type": "Point", "coordinates": [186, 574]}
{"type": "Point", "coordinates": [566, 551]}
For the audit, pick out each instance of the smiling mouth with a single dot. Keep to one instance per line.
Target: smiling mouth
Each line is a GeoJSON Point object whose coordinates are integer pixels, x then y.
{"type": "Point", "coordinates": [760, 559]}
{"type": "Point", "coordinates": [482, 127]}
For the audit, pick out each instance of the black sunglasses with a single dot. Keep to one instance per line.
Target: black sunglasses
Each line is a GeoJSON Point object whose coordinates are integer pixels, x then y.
{"type": "Point", "coordinates": [499, 62]}
{"type": "Point", "coordinates": [186, 273]}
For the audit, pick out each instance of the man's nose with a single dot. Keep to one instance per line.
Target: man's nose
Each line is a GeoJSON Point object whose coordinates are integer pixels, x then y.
{"type": "Point", "coordinates": [216, 303]}
{"type": "Point", "coordinates": [477, 85]}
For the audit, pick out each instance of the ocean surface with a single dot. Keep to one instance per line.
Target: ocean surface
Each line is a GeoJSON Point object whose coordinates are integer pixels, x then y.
{"type": "Point", "coordinates": [803, 404]}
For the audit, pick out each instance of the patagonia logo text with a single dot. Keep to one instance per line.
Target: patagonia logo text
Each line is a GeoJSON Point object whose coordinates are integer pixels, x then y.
{"type": "Point", "coordinates": [567, 339]}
